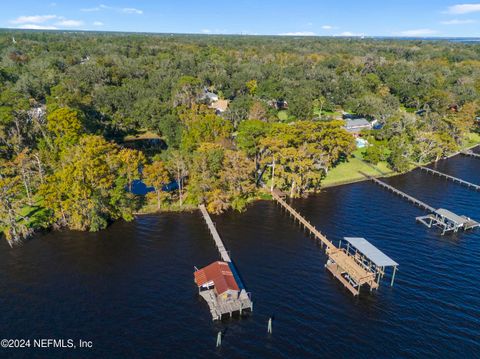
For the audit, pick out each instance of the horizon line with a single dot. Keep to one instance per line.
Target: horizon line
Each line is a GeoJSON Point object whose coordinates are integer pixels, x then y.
{"type": "Point", "coordinates": [359, 36]}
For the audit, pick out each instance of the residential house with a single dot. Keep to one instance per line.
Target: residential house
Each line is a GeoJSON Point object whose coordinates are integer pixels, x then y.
{"type": "Point", "coordinates": [220, 106]}
{"type": "Point", "coordinates": [355, 126]}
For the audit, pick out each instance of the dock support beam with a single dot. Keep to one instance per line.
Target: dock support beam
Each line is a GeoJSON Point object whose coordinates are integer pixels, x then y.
{"type": "Point", "coordinates": [393, 276]}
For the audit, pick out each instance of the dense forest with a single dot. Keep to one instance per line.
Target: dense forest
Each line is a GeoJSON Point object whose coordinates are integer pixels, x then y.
{"type": "Point", "coordinates": [82, 116]}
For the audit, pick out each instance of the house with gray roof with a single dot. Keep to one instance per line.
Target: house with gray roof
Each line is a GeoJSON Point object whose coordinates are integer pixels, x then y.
{"type": "Point", "coordinates": [357, 125]}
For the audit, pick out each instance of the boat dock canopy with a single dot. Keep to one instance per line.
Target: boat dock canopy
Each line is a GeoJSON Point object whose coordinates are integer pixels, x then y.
{"type": "Point", "coordinates": [452, 217]}
{"type": "Point", "coordinates": [379, 258]}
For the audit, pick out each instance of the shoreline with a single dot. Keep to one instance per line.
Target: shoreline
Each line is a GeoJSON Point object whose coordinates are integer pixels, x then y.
{"type": "Point", "coordinates": [337, 183]}
{"type": "Point", "coordinates": [266, 195]}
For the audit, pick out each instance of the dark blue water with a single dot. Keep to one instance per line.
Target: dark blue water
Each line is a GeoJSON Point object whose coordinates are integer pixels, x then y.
{"type": "Point", "coordinates": [130, 288]}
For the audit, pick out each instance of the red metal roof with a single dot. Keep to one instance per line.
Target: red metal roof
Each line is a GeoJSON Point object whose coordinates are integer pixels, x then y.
{"type": "Point", "coordinates": [220, 274]}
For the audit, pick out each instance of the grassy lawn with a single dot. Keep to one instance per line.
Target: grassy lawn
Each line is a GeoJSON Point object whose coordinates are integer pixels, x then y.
{"type": "Point", "coordinates": [141, 135]}
{"type": "Point", "coordinates": [282, 115]}
{"type": "Point", "coordinates": [285, 117]}
{"type": "Point", "coordinates": [473, 139]}
{"type": "Point", "coordinates": [349, 172]}
{"type": "Point", "coordinates": [327, 114]}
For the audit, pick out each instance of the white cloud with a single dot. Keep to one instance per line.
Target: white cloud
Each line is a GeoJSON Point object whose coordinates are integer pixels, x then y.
{"type": "Point", "coordinates": [37, 27]}
{"type": "Point", "coordinates": [96, 8]}
{"type": "Point", "coordinates": [125, 10]}
{"type": "Point", "coordinates": [464, 8]}
{"type": "Point", "coordinates": [327, 27]}
{"type": "Point", "coordinates": [206, 31]}
{"type": "Point", "coordinates": [91, 9]}
{"type": "Point", "coordinates": [350, 34]}
{"type": "Point", "coordinates": [417, 32]}
{"type": "Point", "coordinates": [69, 23]}
{"type": "Point", "coordinates": [131, 10]}
{"type": "Point", "coordinates": [458, 22]}
{"type": "Point", "coordinates": [35, 19]}
{"type": "Point", "coordinates": [298, 33]}
{"type": "Point", "coordinates": [98, 23]}
{"type": "Point", "coordinates": [45, 22]}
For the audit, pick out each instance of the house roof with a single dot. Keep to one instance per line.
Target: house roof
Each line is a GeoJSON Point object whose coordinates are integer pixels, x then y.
{"type": "Point", "coordinates": [220, 105]}
{"type": "Point", "coordinates": [220, 274]}
{"type": "Point", "coordinates": [212, 96]}
{"type": "Point", "coordinates": [358, 122]}
{"type": "Point", "coordinates": [371, 252]}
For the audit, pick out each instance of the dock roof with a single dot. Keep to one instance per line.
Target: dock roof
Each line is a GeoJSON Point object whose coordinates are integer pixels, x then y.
{"type": "Point", "coordinates": [451, 216]}
{"type": "Point", "coordinates": [371, 252]}
{"type": "Point", "coordinates": [220, 274]}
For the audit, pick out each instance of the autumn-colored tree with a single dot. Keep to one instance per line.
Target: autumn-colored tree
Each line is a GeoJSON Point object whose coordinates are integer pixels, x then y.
{"type": "Point", "coordinates": [258, 111]}
{"type": "Point", "coordinates": [156, 175]}
{"type": "Point", "coordinates": [131, 162]}
{"type": "Point", "coordinates": [88, 190]}
{"type": "Point", "coordinates": [252, 86]}
{"type": "Point", "coordinates": [177, 164]}
{"type": "Point", "coordinates": [14, 224]}
{"type": "Point", "coordinates": [206, 164]}
{"type": "Point", "coordinates": [204, 127]}
{"type": "Point", "coordinates": [65, 126]}
{"type": "Point", "coordinates": [238, 178]}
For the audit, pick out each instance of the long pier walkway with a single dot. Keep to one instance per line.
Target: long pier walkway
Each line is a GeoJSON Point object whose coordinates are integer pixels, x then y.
{"type": "Point", "coordinates": [451, 178]}
{"type": "Point", "coordinates": [220, 303]}
{"type": "Point", "coordinates": [216, 237]}
{"type": "Point", "coordinates": [401, 194]}
{"type": "Point", "coordinates": [470, 153]}
{"type": "Point", "coordinates": [445, 219]}
{"type": "Point", "coordinates": [297, 216]}
{"type": "Point", "coordinates": [349, 268]}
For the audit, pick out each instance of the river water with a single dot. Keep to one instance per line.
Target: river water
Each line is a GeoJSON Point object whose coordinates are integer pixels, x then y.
{"type": "Point", "coordinates": [129, 289]}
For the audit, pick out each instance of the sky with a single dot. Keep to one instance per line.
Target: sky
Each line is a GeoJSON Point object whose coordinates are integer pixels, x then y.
{"type": "Point", "coordinates": [415, 18]}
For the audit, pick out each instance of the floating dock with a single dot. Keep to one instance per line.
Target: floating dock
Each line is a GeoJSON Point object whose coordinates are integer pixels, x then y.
{"type": "Point", "coordinates": [451, 178]}
{"type": "Point", "coordinates": [441, 218]}
{"type": "Point", "coordinates": [353, 269]}
{"type": "Point", "coordinates": [219, 283]}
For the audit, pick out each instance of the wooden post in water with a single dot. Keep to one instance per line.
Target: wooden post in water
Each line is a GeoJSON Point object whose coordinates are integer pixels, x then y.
{"type": "Point", "coordinates": [393, 276]}
{"type": "Point", "coordinates": [219, 339]}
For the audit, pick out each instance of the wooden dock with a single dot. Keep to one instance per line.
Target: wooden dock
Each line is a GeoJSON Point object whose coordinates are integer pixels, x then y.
{"type": "Point", "coordinates": [219, 308]}
{"type": "Point", "coordinates": [222, 305]}
{"type": "Point", "coordinates": [349, 269]}
{"type": "Point", "coordinates": [306, 224]}
{"type": "Point", "coordinates": [216, 237]}
{"type": "Point", "coordinates": [451, 178]}
{"type": "Point", "coordinates": [445, 219]}
{"type": "Point", "coordinates": [470, 153]}
{"type": "Point", "coordinates": [409, 198]}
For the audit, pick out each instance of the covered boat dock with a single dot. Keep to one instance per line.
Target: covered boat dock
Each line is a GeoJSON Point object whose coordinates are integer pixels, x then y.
{"type": "Point", "coordinates": [448, 221]}
{"type": "Point", "coordinates": [359, 263]}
